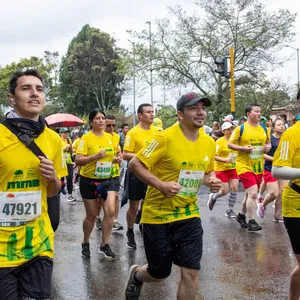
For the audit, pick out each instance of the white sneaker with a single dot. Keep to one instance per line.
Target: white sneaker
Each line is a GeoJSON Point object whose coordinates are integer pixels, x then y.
{"type": "Point", "coordinates": [71, 199]}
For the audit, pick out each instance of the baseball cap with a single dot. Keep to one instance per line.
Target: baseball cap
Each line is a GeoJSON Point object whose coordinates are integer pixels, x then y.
{"type": "Point", "coordinates": [64, 129]}
{"type": "Point", "coordinates": [263, 119]}
{"type": "Point", "coordinates": [226, 125]}
{"type": "Point", "coordinates": [191, 99]}
{"type": "Point", "coordinates": [228, 118]}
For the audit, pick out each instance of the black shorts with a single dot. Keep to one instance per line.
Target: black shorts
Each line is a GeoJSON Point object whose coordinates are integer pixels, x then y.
{"type": "Point", "coordinates": [136, 188]}
{"type": "Point", "coordinates": [292, 226]}
{"type": "Point", "coordinates": [178, 242]}
{"type": "Point", "coordinates": [32, 279]}
{"type": "Point", "coordinates": [92, 188]}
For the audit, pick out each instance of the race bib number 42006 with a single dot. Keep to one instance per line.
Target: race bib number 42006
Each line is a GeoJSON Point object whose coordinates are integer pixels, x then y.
{"type": "Point", "coordinates": [190, 182]}
{"type": "Point", "coordinates": [19, 208]}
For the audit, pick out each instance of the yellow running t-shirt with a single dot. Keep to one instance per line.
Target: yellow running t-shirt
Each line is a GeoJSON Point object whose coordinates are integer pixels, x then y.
{"type": "Point", "coordinates": [67, 153]}
{"type": "Point", "coordinates": [223, 151]}
{"type": "Point", "coordinates": [288, 155]}
{"type": "Point", "coordinates": [115, 166]}
{"type": "Point", "coordinates": [255, 136]}
{"type": "Point", "coordinates": [75, 144]}
{"type": "Point", "coordinates": [137, 138]}
{"type": "Point", "coordinates": [172, 157]}
{"type": "Point", "coordinates": [25, 228]}
{"type": "Point", "coordinates": [91, 144]}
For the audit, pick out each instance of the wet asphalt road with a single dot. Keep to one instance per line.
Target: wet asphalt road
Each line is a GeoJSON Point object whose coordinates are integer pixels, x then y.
{"type": "Point", "coordinates": [236, 264]}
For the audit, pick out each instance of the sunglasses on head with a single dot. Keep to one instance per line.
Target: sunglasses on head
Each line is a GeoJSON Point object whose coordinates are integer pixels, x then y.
{"type": "Point", "coordinates": [110, 125]}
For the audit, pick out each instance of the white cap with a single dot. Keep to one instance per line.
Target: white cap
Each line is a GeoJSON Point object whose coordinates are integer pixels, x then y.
{"type": "Point", "coordinates": [235, 122]}
{"type": "Point", "coordinates": [226, 125]}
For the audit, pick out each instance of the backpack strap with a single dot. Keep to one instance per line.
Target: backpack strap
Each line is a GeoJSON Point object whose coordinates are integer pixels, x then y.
{"type": "Point", "coordinates": [265, 129]}
{"type": "Point", "coordinates": [24, 138]}
{"type": "Point", "coordinates": [242, 127]}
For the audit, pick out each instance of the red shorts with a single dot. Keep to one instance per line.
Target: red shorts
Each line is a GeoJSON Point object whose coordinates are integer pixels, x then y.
{"type": "Point", "coordinates": [224, 176]}
{"type": "Point", "coordinates": [249, 179]}
{"type": "Point", "coordinates": [268, 177]}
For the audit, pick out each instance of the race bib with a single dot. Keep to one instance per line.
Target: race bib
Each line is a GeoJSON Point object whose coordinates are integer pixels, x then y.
{"type": "Point", "coordinates": [66, 156]}
{"type": "Point", "coordinates": [256, 153]}
{"type": "Point", "coordinates": [190, 182]}
{"type": "Point", "coordinates": [103, 169]}
{"type": "Point", "coordinates": [19, 208]}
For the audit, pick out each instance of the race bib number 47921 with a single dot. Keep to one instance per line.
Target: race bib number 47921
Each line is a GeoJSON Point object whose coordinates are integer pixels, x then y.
{"type": "Point", "coordinates": [190, 182]}
{"type": "Point", "coordinates": [19, 208]}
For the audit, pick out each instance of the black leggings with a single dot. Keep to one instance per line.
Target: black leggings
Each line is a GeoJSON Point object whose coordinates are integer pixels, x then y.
{"type": "Point", "coordinates": [53, 211]}
{"type": "Point", "coordinates": [69, 179]}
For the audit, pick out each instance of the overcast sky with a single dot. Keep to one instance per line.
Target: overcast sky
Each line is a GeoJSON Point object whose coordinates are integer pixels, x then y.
{"type": "Point", "coordinates": [28, 28]}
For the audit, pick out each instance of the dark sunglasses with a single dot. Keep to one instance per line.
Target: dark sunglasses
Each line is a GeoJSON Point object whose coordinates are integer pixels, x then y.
{"type": "Point", "coordinates": [110, 125]}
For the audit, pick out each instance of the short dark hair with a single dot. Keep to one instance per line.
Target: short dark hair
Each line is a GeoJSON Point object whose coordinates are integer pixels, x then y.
{"type": "Point", "coordinates": [140, 108]}
{"type": "Point", "coordinates": [249, 108]}
{"type": "Point", "coordinates": [124, 125]}
{"type": "Point", "coordinates": [28, 72]}
{"type": "Point", "coordinates": [94, 112]}
{"type": "Point", "coordinates": [110, 117]}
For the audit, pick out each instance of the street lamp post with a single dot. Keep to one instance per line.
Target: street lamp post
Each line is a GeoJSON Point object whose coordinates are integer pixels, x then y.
{"type": "Point", "coordinates": [150, 61]}
{"type": "Point", "coordinates": [133, 79]}
{"type": "Point", "coordinates": [298, 77]}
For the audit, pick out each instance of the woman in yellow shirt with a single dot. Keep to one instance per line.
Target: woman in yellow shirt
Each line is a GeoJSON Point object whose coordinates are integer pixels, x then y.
{"type": "Point", "coordinates": [95, 154]}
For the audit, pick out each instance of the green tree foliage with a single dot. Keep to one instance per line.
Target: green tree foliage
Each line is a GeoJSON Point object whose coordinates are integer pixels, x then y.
{"type": "Point", "coordinates": [184, 51]}
{"type": "Point", "coordinates": [167, 114]}
{"type": "Point", "coordinates": [91, 73]}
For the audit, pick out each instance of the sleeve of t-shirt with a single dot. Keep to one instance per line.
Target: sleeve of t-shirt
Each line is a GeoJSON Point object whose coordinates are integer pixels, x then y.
{"type": "Point", "coordinates": [211, 164]}
{"type": "Point", "coordinates": [129, 143]}
{"type": "Point", "coordinates": [285, 151]}
{"type": "Point", "coordinates": [59, 162]}
{"type": "Point", "coordinates": [235, 136]}
{"type": "Point", "coordinates": [218, 147]}
{"type": "Point", "coordinates": [82, 146]}
{"type": "Point", "coordinates": [154, 151]}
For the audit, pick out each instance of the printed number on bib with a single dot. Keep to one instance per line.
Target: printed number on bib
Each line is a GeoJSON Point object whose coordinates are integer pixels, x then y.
{"type": "Point", "coordinates": [256, 153]}
{"type": "Point", "coordinates": [190, 182]}
{"type": "Point", "coordinates": [103, 169]}
{"type": "Point", "coordinates": [19, 208]}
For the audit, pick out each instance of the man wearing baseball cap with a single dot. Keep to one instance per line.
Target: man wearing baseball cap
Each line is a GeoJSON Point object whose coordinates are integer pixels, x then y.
{"type": "Point", "coordinates": [172, 230]}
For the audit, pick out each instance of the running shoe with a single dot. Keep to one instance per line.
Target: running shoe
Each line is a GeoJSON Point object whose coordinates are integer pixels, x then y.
{"type": "Point", "coordinates": [138, 217]}
{"type": "Point", "coordinates": [85, 249]}
{"type": "Point", "coordinates": [130, 240]}
{"type": "Point", "coordinates": [260, 210]}
{"type": "Point", "coordinates": [211, 202]}
{"type": "Point", "coordinates": [230, 213]}
{"type": "Point", "coordinates": [71, 199]}
{"type": "Point", "coordinates": [253, 226]}
{"type": "Point", "coordinates": [132, 289]}
{"type": "Point", "coordinates": [259, 200]}
{"type": "Point", "coordinates": [117, 226]}
{"type": "Point", "coordinates": [107, 252]}
{"type": "Point", "coordinates": [242, 220]}
{"type": "Point", "coordinates": [98, 223]}
{"type": "Point", "coordinates": [278, 219]}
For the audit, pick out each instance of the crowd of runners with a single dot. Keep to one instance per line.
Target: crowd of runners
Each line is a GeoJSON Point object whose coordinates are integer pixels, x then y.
{"type": "Point", "coordinates": [159, 172]}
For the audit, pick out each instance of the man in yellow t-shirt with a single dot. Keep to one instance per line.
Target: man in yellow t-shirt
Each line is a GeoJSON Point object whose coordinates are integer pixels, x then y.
{"type": "Point", "coordinates": [174, 169]}
{"type": "Point", "coordinates": [135, 190]}
{"type": "Point", "coordinates": [251, 141]}
{"type": "Point", "coordinates": [109, 128]}
{"type": "Point", "coordinates": [26, 234]}
{"type": "Point", "coordinates": [286, 165]}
